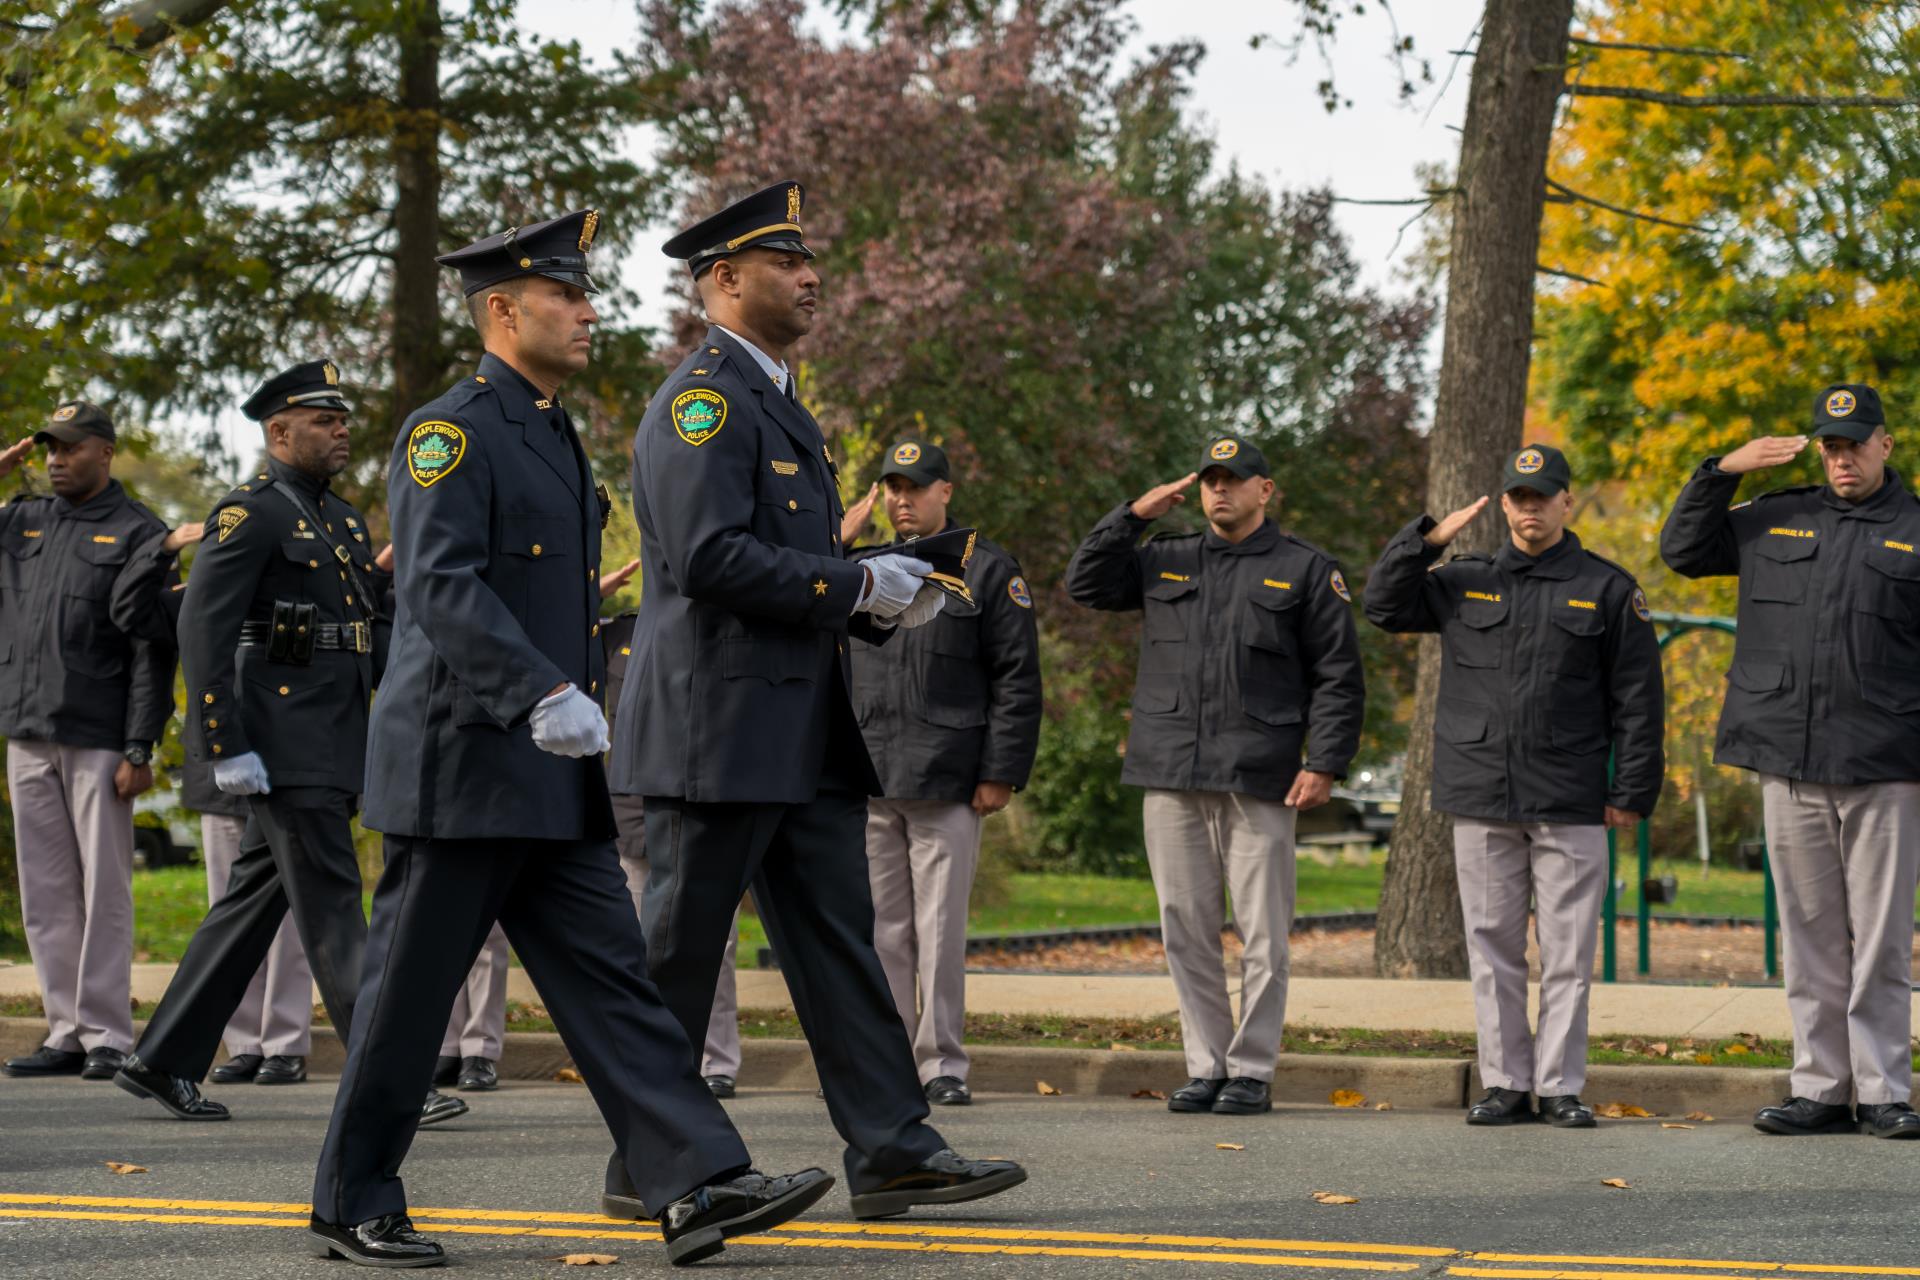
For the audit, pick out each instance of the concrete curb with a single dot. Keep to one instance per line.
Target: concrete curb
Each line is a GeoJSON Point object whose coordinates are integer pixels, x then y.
{"type": "Point", "coordinates": [1303, 1078]}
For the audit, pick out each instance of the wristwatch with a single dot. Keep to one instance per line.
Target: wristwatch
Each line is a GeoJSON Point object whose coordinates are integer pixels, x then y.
{"type": "Point", "coordinates": [137, 754]}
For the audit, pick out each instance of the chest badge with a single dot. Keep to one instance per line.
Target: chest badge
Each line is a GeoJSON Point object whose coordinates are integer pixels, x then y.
{"type": "Point", "coordinates": [698, 415]}
{"type": "Point", "coordinates": [434, 449]}
{"type": "Point", "coordinates": [228, 520]}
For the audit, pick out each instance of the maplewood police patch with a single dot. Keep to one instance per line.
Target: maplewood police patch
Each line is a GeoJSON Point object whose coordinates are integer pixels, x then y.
{"type": "Point", "coordinates": [434, 449]}
{"type": "Point", "coordinates": [698, 415]}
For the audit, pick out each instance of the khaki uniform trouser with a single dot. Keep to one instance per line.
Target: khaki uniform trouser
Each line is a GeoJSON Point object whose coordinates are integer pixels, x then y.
{"type": "Point", "coordinates": [478, 1025]}
{"type": "Point", "coordinates": [1201, 846]}
{"type": "Point", "coordinates": [1844, 861]}
{"type": "Point", "coordinates": [275, 1016]}
{"type": "Point", "coordinates": [921, 856]}
{"type": "Point", "coordinates": [1560, 870]}
{"type": "Point", "coordinates": [73, 840]}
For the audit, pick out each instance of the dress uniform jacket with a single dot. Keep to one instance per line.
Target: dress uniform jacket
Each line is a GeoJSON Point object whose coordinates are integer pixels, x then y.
{"type": "Point", "coordinates": [616, 646]}
{"type": "Point", "coordinates": [84, 661]}
{"type": "Point", "coordinates": [306, 719]}
{"type": "Point", "coordinates": [740, 653]}
{"type": "Point", "coordinates": [498, 606]}
{"type": "Point", "coordinates": [1825, 682]}
{"type": "Point", "coordinates": [956, 702]}
{"type": "Point", "coordinates": [1545, 662]}
{"type": "Point", "coordinates": [1247, 651]}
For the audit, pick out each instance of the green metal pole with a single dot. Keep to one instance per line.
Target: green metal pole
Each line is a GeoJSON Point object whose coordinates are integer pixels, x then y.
{"type": "Point", "coordinates": [1773, 914]}
{"type": "Point", "coordinates": [1608, 914]}
{"type": "Point", "coordinates": [1644, 840]}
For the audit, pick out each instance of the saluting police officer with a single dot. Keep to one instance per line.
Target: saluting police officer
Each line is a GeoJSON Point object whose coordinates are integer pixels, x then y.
{"type": "Point", "coordinates": [1823, 702]}
{"type": "Point", "coordinates": [1548, 657]}
{"type": "Point", "coordinates": [84, 696]}
{"type": "Point", "coordinates": [1248, 652]}
{"type": "Point", "coordinates": [486, 780]}
{"type": "Point", "coordinates": [736, 725]}
{"type": "Point", "coordinates": [277, 641]}
{"type": "Point", "coordinates": [951, 716]}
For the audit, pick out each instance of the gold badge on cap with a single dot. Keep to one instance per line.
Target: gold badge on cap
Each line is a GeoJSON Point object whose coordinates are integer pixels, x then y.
{"type": "Point", "coordinates": [65, 411]}
{"type": "Point", "coordinates": [332, 374]}
{"type": "Point", "coordinates": [1841, 403]}
{"type": "Point", "coordinates": [1529, 461]}
{"type": "Point", "coordinates": [907, 454]}
{"type": "Point", "coordinates": [793, 204]}
{"type": "Point", "coordinates": [1223, 450]}
{"type": "Point", "coordinates": [587, 228]}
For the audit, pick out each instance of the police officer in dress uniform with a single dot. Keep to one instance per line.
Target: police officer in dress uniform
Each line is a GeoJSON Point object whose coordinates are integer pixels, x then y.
{"type": "Point", "coordinates": [86, 687]}
{"type": "Point", "coordinates": [951, 716]}
{"type": "Point", "coordinates": [736, 725]}
{"type": "Point", "coordinates": [1548, 657]}
{"type": "Point", "coordinates": [277, 640]}
{"type": "Point", "coordinates": [1823, 702]}
{"type": "Point", "coordinates": [484, 775]}
{"type": "Point", "coordinates": [1248, 651]}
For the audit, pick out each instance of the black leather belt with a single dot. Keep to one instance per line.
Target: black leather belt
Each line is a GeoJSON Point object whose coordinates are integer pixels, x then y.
{"type": "Point", "coordinates": [354, 637]}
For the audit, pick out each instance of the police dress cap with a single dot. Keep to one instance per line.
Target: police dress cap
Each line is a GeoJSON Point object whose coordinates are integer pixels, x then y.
{"type": "Point", "coordinates": [75, 420]}
{"type": "Point", "coordinates": [1539, 467]}
{"type": "Point", "coordinates": [949, 552]}
{"type": "Point", "coordinates": [918, 461]}
{"type": "Point", "coordinates": [767, 219]}
{"type": "Point", "coordinates": [556, 248]}
{"type": "Point", "coordinates": [1850, 410]}
{"type": "Point", "coordinates": [1236, 456]}
{"type": "Point", "coordinates": [313, 385]}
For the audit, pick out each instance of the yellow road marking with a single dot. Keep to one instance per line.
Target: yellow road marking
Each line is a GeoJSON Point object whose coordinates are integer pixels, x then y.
{"type": "Point", "coordinates": [1104, 1237]}
{"type": "Point", "coordinates": [203, 1220]}
{"type": "Point", "coordinates": [1815, 1268]}
{"type": "Point", "coordinates": [1588, 1275]}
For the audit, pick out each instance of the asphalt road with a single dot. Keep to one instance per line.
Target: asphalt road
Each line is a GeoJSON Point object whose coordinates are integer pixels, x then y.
{"type": "Point", "coordinates": [1119, 1188]}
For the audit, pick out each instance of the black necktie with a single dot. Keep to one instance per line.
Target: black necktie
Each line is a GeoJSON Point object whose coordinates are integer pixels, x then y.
{"type": "Point", "coordinates": [787, 386]}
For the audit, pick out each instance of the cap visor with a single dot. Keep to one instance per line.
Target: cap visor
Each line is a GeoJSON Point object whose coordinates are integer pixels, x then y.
{"type": "Point", "coordinates": [1858, 432]}
{"type": "Point", "coordinates": [1539, 484]}
{"type": "Point", "coordinates": [915, 474]}
{"type": "Point", "coordinates": [61, 432]}
{"type": "Point", "coordinates": [578, 279]}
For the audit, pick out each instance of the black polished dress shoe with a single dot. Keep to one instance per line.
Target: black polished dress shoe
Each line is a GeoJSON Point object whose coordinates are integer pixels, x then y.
{"type": "Point", "coordinates": [477, 1075]}
{"type": "Point", "coordinates": [1889, 1120]}
{"type": "Point", "coordinates": [440, 1106]}
{"type": "Point", "coordinates": [944, 1177]}
{"type": "Point", "coordinates": [102, 1063]}
{"type": "Point", "coordinates": [618, 1199]}
{"type": "Point", "coordinates": [386, 1241]}
{"type": "Point", "coordinates": [698, 1225]}
{"type": "Point", "coordinates": [47, 1062]}
{"type": "Point", "coordinates": [1243, 1096]}
{"type": "Point", "coordinates": [1502, 1106]}
{"type": "Point", "coordinates": [1566, 1111]}
{"type": "Point", "coordinates": [1803, 1117]}
{"type": "Point", "coordinates": [239, 1069]}
{"type": "Point", "coordinates": [282, 1068]}
{"type": "Point", "coordinates": [720, 1085]}
{"type": "Point", "coordinates": [446, 1069]}
{"type": "Point", "coordinates": [949, 1091]}
{"type": "Point", "coordinates": [180, 1097]}
{"type": "Point", "coordinates": [1195, 1095]}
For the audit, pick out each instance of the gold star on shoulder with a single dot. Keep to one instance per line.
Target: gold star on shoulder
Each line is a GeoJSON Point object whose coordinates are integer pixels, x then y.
{"type": "Point", "coordinates": [819, 586]}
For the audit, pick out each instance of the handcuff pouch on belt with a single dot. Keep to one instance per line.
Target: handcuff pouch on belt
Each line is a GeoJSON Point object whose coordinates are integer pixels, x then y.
{"type": "Point", "coordinates": [294, 630]}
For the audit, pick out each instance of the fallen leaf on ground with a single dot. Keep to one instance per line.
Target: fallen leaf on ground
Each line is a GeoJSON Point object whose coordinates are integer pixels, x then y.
{"type": "Point", "coordinates": [567, 1075]}
{"type": "Point", "coordinates": [588, 1259]}
{"type": "Point", "coordinates": [1666, 1124]}
{"type": "Point", "coordinates": [1622, 1111]}
{"type": "Point", "coordinates": [1332, 1197]}
{"type": "Point", "coordinates": [1704, 1059]}
{"type": "Point", "coordinates": [1383, 1106]}
{"type": "Point", "coordinates": [121, 1166]}
{"type": "Point", "coordinates": [1158, 1094]}
{"type": "Point", "coordinates": [1045, 1090]}
{"type": "Point", "coordinates": [1699, 1116]}
{"type": "Point", "coordinates": [1229, 1146]}
{"type": "Point", "coordinates": [1348, 1098]}
{"type": "Point", "coordinates": [1738, 1048]}
{"type": "Point", "coordinates": [1621, 1183]}
{"type": "Point", "coordinates": [1658, 1048]}
{"type": "Point", "coordinates": [1117, 1047]}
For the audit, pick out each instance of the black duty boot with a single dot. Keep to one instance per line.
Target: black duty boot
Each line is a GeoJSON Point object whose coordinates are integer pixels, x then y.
{"type": "Point", "coordinates": [181, 1097]}
{"type": "Point", "coordinates": [478, 1075]}
{"type": "Point", "coordinates": [386, 1241]}
{"type": "Point", "coordinates": [699, 1224]}
{"type": "Point", "coordinates": [1501, 1106]}
{"type": "Point", "coordinates": [45, 1061]}
{"type": "Point", "coordinates": [1195, 1095]}
{"type": "Point", "coordinates": [239, 1069]}
{"type": "Point", "coordinates": [1803, 1117]}
{"type": "Point", "coordinates": [102, 1063]}
{"type": "Point", "coordinates": [945, 1177]}
{"type": "Point", "coordinates": [282, 1068]}
{"type": "Point", "coordinates": [949, 1091]}
{"type": "Point", "coordinates": [1243, 1096]}
{"type": "Point", "coordinates": [1566, 1111]}
{"type": "Point", "coordinates": [1889, 1120]}
{"type": "Point", "coordinates": [440, 1106]}
{"type": "Point", "coordinates": [720, 1085]}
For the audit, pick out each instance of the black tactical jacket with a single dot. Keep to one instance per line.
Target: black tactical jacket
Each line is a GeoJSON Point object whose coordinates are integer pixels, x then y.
{"type": "Point", "coordinates": [1544, 664]}
{"type": "Point", "coordinates": [85, 659]}
{"type": "Point", "coordinates": [1247, 653]}
{"type": "Point", "coordinates": [949, 705]}
{"type": "Point", "coordinates": [1825, 682]}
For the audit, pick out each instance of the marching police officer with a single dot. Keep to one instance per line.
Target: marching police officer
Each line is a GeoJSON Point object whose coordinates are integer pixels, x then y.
{"type": "Point", "coordinates": [85, 693]}
{"type": "Point", "coordinates": [485, 779]}
{"type": "Point", "coordinates": [1247, 652]}
{"type": "Point", "coordinates": [277, 640]}
{"type": "Point", "coordinates": [1548, 657]}
{"type": "Point", "coordinates": [951, 716]}
{"type": "Point", "coordinates": [1823, 702]}
{"type": "Point", "coordinates": [735, 723]}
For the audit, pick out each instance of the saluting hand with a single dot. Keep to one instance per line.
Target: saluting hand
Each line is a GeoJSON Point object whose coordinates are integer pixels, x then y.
{"type": "Point", "coordinates": [858, 517]}
{"type": "Point", "coordinates": [1449, 529]}
{"type": "Point", "coordinates": [612, 582]}
{"type": "Point", "coordinates": [13, 457]}
{"type": "Point", "coordinates": [184, 536]}
{"type": "Point", "coordinates": [1758, 455]}
{"type": "Point", "coordinates": [1161, 499]}
{"type": "Point", "coordinates": [384, 561]}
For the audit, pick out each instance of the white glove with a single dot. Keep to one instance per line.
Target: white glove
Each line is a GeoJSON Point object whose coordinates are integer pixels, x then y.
{"type": "Point", "coordinates": [926, 604]}
{"type": "Point", "coordinates": [569, 723]}
{"type": "Point", "coordinates": [242, 776]}
{"type": "Point", "coordinates": [896, 579]}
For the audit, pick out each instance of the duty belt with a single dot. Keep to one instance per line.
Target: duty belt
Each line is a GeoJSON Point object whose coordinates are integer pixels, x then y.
{"type": "Point", "coordinates": [354, 637]}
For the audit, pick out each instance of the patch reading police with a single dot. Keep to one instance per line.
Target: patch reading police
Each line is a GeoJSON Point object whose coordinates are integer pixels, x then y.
{"type": "Point", "coordinates": [1841, 403]}
{"type": "Point", "coordinates": [1529, 461]}
{"type": "Point", "coordinates": [1340, 587]}
{"type": "Point", "coordinates": [1223, 450]}
{"type": "Point", "coordinates": [907, 454]}
{"type": "Point", "coordinates": [228, 520]}
{"type": "Point", "coordinates": [1018, 593]}
{"type": "Point", "coordinates": [434, 449]}
{"type": "Point", "coordinates": [1640, 609]}
{"type": "Point", "coordinates": [698, 415]}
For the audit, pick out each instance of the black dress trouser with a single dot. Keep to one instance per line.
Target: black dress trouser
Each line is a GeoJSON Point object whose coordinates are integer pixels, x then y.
{"type": "Point", "coordinates": [296, 854]}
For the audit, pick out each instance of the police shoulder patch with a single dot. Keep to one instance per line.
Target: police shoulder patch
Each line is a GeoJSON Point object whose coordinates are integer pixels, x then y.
{"type": "Point", "coordinates": [227, 519]}
{"type": "Point", "coordinates": [434, 449]}
{"type": "Point", "coordinates": [1640, 609]}
{"type": "Point", "coordinates": [1339, 585]}
{"type": "Point", "coordinates": [1018, 593]}
{"type": "Point", "coordinates": [698, 415]}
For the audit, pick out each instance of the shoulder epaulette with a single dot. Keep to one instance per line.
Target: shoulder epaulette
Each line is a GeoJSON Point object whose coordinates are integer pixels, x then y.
{"type": "Point", "coordinates": [1620, 569]}
{"type": "Point", "coordinates": [1320, 551]}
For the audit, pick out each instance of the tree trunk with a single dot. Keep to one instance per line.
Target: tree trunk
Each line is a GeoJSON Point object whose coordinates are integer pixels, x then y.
{"type": "Point", "coordinates": [1478, 417]}
{"type": "Point", "coordinates": [417, 359]}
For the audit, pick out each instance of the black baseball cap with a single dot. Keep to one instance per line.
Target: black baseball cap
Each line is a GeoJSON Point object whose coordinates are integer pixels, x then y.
{"type": "Point", "coordinates": [1539, 467]}
{"type": "Point", "coordinates": [1850, 410]}
{"type": "Point", "coordinates": [918, 461]}
{"type": "Point", "coordinates": [74, 421]}
{"type": "Point", "coordinates": [1236, 456]}
{"type": "Point", "coordinates": [312, 385]}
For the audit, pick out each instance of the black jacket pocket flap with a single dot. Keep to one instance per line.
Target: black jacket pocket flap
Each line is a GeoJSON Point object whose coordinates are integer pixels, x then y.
{"type": "Point", "coordinates": [1757, 677]}
{"type": "Point", "coordinates": [1460, 722]}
